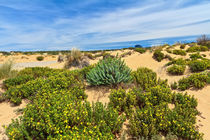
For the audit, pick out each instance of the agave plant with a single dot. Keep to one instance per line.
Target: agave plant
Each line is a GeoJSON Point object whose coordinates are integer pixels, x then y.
{"type": "Point", "coordinates": [109, 71]}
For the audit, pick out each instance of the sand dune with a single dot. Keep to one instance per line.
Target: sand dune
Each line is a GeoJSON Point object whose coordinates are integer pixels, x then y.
{"type": "Point", "coordinates": [133, 61]}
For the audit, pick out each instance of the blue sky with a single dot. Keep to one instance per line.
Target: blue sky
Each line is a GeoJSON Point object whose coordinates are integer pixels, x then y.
{"type": "Point", "coordinates": [63, 24]}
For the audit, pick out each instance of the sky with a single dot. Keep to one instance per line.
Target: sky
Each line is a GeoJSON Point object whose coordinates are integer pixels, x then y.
{"type": "Point", "coordinates": [28, 25]}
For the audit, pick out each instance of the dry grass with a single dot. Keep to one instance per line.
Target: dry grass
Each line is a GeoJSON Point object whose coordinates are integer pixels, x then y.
{"type": "Point", "coordinates": [6, 70]}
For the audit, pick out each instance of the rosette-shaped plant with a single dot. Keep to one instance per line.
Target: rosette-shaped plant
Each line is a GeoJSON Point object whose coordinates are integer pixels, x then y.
{"type": "Point", "coordinates": [109, 71]}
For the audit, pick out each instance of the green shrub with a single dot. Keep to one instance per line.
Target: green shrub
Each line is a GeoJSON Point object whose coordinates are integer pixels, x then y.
{"type": "Point", "coordinates": [158, 55]}
{"type": "Point", "coordinates": [196, 80]}
{"type": "Point", "coordinates": [174, 85]}
{"type": "Point", "coordinates": [59, 115]}
{"type": "Point", "coordinates": [176, 69]}
{"type": "Point", "coordinates": [197, 49]}
{"type": "Point", "coordinates": [182, 46]}
{"type": "Point", "coordinates": [39, 58]}
{"type": "Point", "coordinates": [144, 78]}
{"type": "Point", "coordinates": [179, 61]}
{"type": "Point", "coordinates": [179, 52]}
{"type": "Point", "coordinates": [65, 80]}
{"type": "Point", "coordinates": [199, 65]}
{"type": "Point", "coordinates": [89, 55]}
{"type": "Point", "coordinates": [153, 115]}
{"type": "Point", "coordinates": [168, 51]}
{"type": "Point", "coordinates": [109, 71]}
{"type": "Point", "coordinates": [6, 70]}
{"type": "Point", "coordinates": [169, 57]}
{"type": "Point", "coordinates": [125, 54]}
{"type": "Point", "coordinates": [140, 50]}
{"type": "Point", "coordinates": [121, 100]}
{"type": "Point", "coordinates": [9, 83]}
{"type": "Point", "coordinates": [195, 56]}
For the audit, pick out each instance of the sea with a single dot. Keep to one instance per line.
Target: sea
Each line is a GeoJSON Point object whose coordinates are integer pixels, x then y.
{"type": "Point", "coordinates": [143, 43]}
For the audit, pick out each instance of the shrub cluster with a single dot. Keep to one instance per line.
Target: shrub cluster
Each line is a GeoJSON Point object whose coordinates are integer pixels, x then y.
{"type": "Point", "coordinates": [176, 69]}
{"type": "Point", "coordinates": [149, 113]}
{"type": "Point", "coordinates": [140, 50]}
{"type": "Point", "coordinates": [39, 58]}
{"type": "Point", "coordinates": [196, 80]}
{"type": "Point", "coordinates": [179, 52]}
{"type": "Point", "coordinates": [182, 46]}
{"type": "Point", "coordinates": [144, 78]}
{"type": "Point", "coordinates": [158, 55]}
{"type": "Point", "coordinates": [179, 61]}
{"type": "Point", "coordinates": [59, 114]}
{"type": "Point", "coordinates": [199, 65]}
{"type": "Point", "coordinates": [109, 71]}
{"type": "Point", "coordinates": [195, 56]}
{"type": "Point", "coordinates": [197, 49]}
{"type": "Point", "coordinates": [125, 54]}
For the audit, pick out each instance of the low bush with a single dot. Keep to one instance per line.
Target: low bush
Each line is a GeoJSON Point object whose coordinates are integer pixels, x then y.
{"type": "Point", "coordinates": [125, 54]}
{"type": "Point", "coordinates": [158, 55]}
{"type": "Point", "coordinates": [40, 58]}
{"type": "Point", "coordinates": [182, 46]}
{"type": "Point", "coordinates": [140, 50]}
{"type": "Point", "coordinates": [59, 115]}
{"type": "Point", "coordinates": [199, 65]}
{"type": "Point", "coordinates": [176, 69]}
{"type": "Point", "coordinates": [196, 80]}
{"type": "Point", "coordinates": [174, 85]}
{"type": "Point", "coordinates": [179, 61]}
{"type": "Point", "coordinates": [89, 55]}
{"type": "Point", "coordinates": [168, 57]}
{"type": "Point", "coordinates": [12, 82]}
{"type": "Point", "coordinates": [179, 52]}
{"type": "Point", "coordinates": [121, 100]}
{"type": "Point", "coordinates": [109, 71]}
{"type": "Point", "coordinates": [144, 78]}
{"type": "Point", "coordinates": [63, 80]}
{"type": "Point", "coordinates": [197, 49]}
{"type": "Point", "coordinates": [195, 56]}
{"type": "Point", "coordinates": [153, 115]}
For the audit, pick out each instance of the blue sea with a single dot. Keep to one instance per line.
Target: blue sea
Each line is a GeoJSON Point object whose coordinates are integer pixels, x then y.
{"type": "Point", "coordinates": [144, 43]}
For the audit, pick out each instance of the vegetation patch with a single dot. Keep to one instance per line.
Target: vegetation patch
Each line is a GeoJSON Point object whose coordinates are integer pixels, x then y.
{"type": "Point", "coordinates": [199, 65]}
{"type": "Point", "coordinates": [197, 49]}
{"type": "Point", "coordinates": [6, 70]}
{"type": "Point", "coordinates": [109, 71]}
{"type": "Point", "coordinates": [158, 55]}
{"type": "Point", "coordinates": [140, 50]}
{"type": "Point", "coordinates": [196, 80]}
{"type": "Point", "coordinates": [176, 69]}
{"type": "Point", "coordinates": [179, 52]}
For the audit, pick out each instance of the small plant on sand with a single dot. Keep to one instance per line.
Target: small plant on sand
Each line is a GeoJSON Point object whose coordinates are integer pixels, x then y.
{"type": "Point", "coordinates": [144, 78]}
{"type": "Point", "coordinates": [40, 58]}
{"type": "Point", "coordinates": [196, 80]}
{"type": "Point", "coordinates": [76, 59]}
{"type": "Point", "coordinates": [179, 52]}
{"type": "Point", "coordinates": [182, 46]}
{"type": "Point", "coordinates": [176, 69]}
{"type": "Point", "coordinates": [140, 50]}
{"type": "Point", "coordinates": [196, 56]}
{"type": "Point", "coordinates": [6, 70]}
{"type": "Point", "coordinates": [158, 55]}
{"type": "Point", "coordinates": [197, 49]}
{"type": "Point", "coordinates": [174, 85]}
{"type": "Point", "coordinates": [109, 71]}
{"type": "Point", "coordinates": [199, 65]}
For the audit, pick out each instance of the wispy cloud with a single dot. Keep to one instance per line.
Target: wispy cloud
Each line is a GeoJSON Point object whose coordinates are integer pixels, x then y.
{"type": "Point", "coordinates": [38, 24]}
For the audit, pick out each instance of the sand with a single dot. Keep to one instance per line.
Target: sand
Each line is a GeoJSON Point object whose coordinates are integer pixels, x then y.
{"type": "Point", "coordinates": [133, 61]}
